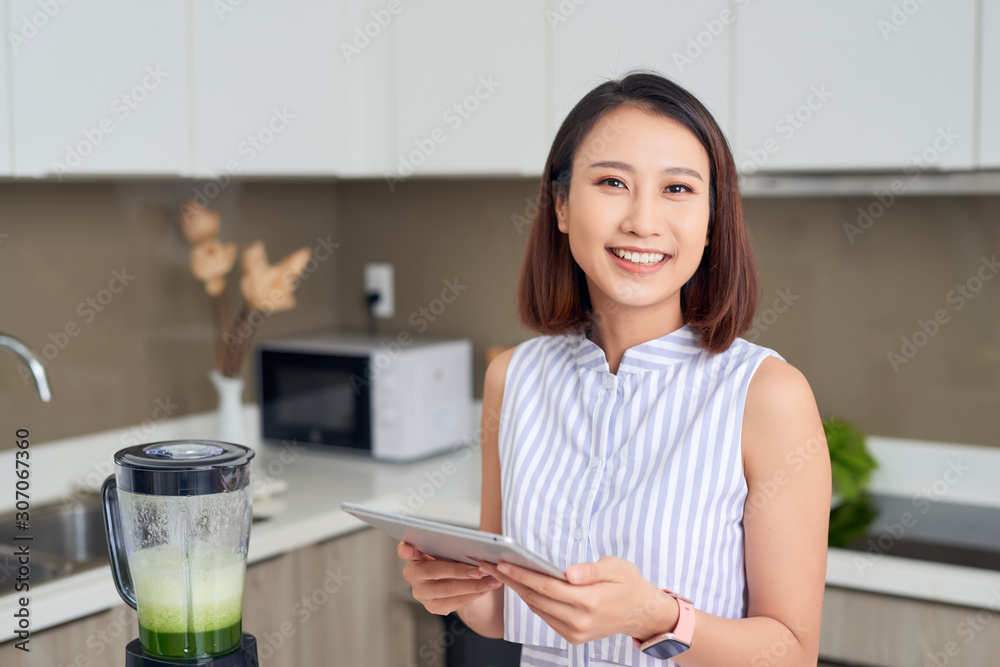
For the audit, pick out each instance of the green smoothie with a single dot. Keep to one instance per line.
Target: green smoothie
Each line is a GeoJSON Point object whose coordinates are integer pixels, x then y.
{"type": "Point", "coordinates": [192, 612]}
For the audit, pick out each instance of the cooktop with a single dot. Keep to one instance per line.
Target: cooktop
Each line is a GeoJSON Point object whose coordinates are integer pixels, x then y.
{"type": "Point", "coordinates": [930, 529]}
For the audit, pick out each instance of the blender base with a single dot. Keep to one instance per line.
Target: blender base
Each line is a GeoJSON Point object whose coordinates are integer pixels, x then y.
{"type": "Point", "coordinates": [244, 656]}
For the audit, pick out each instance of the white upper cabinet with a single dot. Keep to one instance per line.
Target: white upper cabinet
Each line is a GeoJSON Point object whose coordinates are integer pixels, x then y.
{"type": "Point", "coordinates": [99, 88]}
{"type": "Point", "coordinates": [365, 41]}
{"type": "Point", "coordinates": [688, 43]}
{"type": "Point", "coordinates": [856, 84]}
{"type": "Point", "coordinates": [268, 95]}
{"type": "Point", "coordinates": [6, 154]}
{"type": "Point", "coordinates": [989, 100]}
{"type": "Point", "coordinates": [470, 88]}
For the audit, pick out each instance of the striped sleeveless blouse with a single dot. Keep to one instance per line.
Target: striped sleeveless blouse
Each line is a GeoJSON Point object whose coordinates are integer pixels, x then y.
{"type": "Point", "coordinates": [644, 464]}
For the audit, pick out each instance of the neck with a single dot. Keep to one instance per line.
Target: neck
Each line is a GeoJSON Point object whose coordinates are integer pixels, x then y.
{"type": "Point", "coordinates": [617, 327]}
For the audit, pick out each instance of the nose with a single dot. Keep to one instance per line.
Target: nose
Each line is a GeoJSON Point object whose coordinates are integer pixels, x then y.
{"type": "Point", "coordinates": [642, 218]}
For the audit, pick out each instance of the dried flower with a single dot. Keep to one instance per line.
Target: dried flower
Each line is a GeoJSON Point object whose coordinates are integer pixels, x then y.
{"type": "Point", "coordinates": [266, 289]}
{"type": "Point", "coordinates": [269, 288]}
{"type": "Point", "coordinates": [199, 224]}
{"type": "Point", "coordinates": [210, 262]}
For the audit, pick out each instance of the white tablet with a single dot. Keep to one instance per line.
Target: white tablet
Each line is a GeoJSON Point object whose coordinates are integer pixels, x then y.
{"type": "Point", "coordinates": [442, 540]}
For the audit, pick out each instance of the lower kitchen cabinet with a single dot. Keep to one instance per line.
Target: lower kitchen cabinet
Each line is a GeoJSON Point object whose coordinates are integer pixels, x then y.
{"type": "Point", "coordinates": [365, 619]}
{"type": "Point", "coordinates": [95, 641]}
{"type": "Point", "coordinates": [340, 602]}
{"type": "Point", "coordinates": [871, 629]}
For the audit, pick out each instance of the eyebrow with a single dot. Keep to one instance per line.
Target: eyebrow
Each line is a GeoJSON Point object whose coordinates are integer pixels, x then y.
{"type": "Point", "coordinates": [671, 171]}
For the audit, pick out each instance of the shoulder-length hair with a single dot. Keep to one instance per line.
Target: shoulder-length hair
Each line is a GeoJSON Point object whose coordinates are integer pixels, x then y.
{"type": "Point", "coordinates": [719, 300]}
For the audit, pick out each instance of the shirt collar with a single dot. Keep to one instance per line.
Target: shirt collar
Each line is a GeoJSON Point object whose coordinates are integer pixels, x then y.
{"type": "Point", "coordinates": [673, 348]}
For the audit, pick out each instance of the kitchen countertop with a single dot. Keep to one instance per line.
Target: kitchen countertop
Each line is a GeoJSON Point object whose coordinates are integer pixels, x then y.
{"type": "Point", "coordinates": [446, 488]}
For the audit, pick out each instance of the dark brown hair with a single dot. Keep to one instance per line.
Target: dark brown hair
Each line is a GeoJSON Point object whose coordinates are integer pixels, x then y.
{"type": "Point", "coordinates": [719, 300]}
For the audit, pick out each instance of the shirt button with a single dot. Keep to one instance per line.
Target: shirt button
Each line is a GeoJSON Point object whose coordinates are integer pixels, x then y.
{"type": "Point", "coordinates": [578, 534]}
{"type": "Point", "coordinates": [609, 381]}
{"type": "Point", "coordinates": [594, 462]}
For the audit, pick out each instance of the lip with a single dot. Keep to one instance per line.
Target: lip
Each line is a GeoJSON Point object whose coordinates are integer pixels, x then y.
{"type": "Point", "coordinates": [638, 268]}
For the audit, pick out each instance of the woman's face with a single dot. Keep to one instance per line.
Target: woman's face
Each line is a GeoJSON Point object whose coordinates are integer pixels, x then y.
{"type": "Point", "coordinates": [637, 210]}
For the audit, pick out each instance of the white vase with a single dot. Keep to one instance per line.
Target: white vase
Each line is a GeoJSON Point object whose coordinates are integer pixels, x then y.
{"type": "Point", "coordinates": [231, 425]}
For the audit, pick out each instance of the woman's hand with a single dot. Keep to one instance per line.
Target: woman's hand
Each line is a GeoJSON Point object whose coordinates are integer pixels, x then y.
{"type": "Point", "coordinates": [605, 598]}
{"type": "Point", "coordinates": [443, 586]}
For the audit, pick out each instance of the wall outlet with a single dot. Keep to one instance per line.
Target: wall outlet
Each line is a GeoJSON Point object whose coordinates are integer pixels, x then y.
{"type": "Point", "coordinates": [378, 280]}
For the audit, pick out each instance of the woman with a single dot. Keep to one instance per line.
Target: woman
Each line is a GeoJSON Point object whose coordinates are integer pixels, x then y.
{"type": "Point", "coordinates": [641, 445]}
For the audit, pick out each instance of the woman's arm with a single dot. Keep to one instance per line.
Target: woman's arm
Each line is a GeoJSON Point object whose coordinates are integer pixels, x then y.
{"type": "Point", "coordinates": [787, 467]}
{"type": "Point", "coordinates": [485, 615]}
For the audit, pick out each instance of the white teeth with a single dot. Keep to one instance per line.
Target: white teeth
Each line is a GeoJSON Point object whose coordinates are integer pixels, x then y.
{"type": "Point", "coordinates": [639, 257]}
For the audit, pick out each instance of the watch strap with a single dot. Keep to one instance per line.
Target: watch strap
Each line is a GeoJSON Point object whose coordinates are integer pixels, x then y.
{"type": "Point", "coordinates": [683, 630]}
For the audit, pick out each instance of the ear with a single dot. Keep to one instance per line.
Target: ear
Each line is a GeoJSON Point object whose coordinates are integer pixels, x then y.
{"type": "Point", "coordinates": [562, 213]}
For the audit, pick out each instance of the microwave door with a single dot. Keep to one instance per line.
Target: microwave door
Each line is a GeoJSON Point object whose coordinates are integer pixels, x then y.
{"type": "Point", "coordinates": [320, 399]}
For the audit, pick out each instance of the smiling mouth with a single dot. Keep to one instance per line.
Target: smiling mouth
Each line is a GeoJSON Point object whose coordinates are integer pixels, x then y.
{"type": "Point", "coordinates": [639, 258]}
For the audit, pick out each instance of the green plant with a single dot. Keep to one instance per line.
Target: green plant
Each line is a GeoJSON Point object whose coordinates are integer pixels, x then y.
{"type": "Point", "coordinates": [851, 465]}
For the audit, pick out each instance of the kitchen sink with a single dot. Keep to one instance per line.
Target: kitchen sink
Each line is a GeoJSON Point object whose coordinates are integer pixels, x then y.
{"type": "Point", "coordinates": [73, 532]}
{"type": "Point", "coordinates": [66, 538]}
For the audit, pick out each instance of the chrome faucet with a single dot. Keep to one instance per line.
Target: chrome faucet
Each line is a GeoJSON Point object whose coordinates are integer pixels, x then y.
{"type": "Point", "coordinates": [24, 353]}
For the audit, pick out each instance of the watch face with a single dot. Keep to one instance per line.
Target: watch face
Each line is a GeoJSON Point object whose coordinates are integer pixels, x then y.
{"type": "Point", "coordinates": [668, 648]}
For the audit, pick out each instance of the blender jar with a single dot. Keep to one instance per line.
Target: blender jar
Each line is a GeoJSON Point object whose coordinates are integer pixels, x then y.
{"type": "Point", "coordinates": [177, 516]}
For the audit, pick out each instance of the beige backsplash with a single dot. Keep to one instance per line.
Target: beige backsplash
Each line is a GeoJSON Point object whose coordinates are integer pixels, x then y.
{"type": "Point", "coordinates": [456, 246]}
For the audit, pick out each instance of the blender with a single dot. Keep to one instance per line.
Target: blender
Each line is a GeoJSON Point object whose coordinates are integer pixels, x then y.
{"type": "Point", "coordinates": [177, 519]}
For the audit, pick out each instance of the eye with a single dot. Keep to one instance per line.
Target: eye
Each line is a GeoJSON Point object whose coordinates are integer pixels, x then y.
{"type": "Point", "coordinates": [611, 180]}
{"type": "Point", "coordinates": [678, 188]}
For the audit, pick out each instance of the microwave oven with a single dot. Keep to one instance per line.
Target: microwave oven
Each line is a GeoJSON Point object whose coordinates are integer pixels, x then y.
{"type": "Point", "coordinates": [389, 398]}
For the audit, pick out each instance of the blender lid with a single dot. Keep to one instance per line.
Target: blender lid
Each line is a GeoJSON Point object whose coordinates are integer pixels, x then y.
{"type": "Point", "coordinates": [183, 467]}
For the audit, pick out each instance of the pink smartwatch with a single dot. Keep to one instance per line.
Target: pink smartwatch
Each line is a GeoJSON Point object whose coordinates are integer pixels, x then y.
{"type": "Point", "coordinates": [671, 644]}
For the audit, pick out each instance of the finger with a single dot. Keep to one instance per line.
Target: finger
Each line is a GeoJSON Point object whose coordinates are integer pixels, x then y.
{"type": "Point", "coordinates": [539, 597]}
{"type": "Point", "coordinates": [452, 588]}
{"type": "Point", "coordinates": [549, 586]}
{"type": "Point", "coordinates": [446, 606]}
{"type": "Point", "coordinates": [409, 552]}
{"type": "Point", "coordinates": [585, 573]}
{"type": "Point", "coordinates": [428, 570]}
